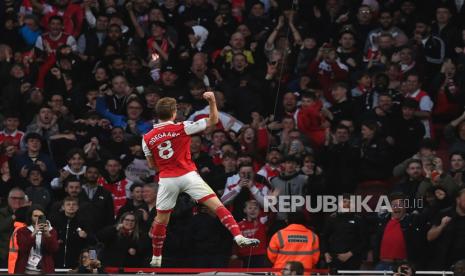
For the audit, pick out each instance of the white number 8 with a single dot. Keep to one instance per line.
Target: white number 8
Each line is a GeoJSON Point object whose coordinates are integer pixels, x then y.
{"type": "Point", "coordinates": [165, 150]}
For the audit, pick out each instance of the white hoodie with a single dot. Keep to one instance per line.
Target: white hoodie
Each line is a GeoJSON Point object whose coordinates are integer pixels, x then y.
{"type": "Point", "coordinates": [56, 182]}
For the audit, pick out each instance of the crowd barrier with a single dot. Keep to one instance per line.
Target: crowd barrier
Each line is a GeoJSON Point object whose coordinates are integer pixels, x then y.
{"type": "Point", "coordinates": [384, 272]}
{"type": "Point", "coordinates": [231, 271]}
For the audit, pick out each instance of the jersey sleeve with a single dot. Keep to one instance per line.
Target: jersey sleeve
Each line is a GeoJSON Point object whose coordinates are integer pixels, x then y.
{"type": "Point", "coordinates": [195, 127]}
{"type": "Point", "coordinates": [145, 148]}
{"type": "Point", "coordinates": [426, 104]}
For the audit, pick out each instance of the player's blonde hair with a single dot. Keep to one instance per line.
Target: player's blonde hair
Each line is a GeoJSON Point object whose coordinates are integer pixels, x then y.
{"type": "Point", "coordinates": [165, 108]}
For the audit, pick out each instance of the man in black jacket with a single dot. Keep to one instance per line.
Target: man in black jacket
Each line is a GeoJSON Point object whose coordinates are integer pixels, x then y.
{"type": "Point", "coordinates": [242, 88]}
{"type": "Point", "coordinates": [135, 202]}
{"type": "Point", "coordinates": [89, 41]}
{"type": "Point", "coordinates": [210, 242]}
{"type": "Point", "coordinates": [100, 199]}
{"type": "Point", "coordinates": [410, 186]}
{"type": "Point", "coordinates": [344, 238]}
{"type": "Point", "coordinates": [408, 131]}
{"type": "Point", "coordinates": [343, 107]}
{"type": "Point", "coordinates": [340, 161]}
{"type": "Point", "coordinates": [73, 233]}
{"type": "Point", "coordinates": [431, 48]}
{"type": "Point", "coordinates": [447, 234]}
{"type": "Point", "coordinates": [399, 236]}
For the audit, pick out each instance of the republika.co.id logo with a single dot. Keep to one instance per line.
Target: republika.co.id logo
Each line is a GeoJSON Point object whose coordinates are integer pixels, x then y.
{"type": "Point", "coordinates": [330, 204]}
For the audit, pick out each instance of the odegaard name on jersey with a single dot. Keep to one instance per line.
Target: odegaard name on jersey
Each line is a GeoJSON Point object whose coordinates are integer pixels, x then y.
{"type": "Point", "coordinates": [159, 136]}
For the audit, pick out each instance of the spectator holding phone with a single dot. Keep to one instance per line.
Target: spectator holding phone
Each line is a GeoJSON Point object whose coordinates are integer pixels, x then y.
{"type": "Point", "coordinates": [404, 269]}
{"type": "Point", "coordinates": [88, 263]}
{"type": "Point", "coordinates": [37, 244]}
{"type": "Point", "coordinates": [249, 186]}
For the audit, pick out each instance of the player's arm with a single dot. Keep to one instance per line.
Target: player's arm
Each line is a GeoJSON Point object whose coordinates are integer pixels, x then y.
{"type": "Point", "coordinates": [151, 163]}
{"type": "Point", "coordinates": [200, 125]}
{"type": "Point", "coordinates": [214, 116]}
{"type": "Point", "coordinates": [148, 156]}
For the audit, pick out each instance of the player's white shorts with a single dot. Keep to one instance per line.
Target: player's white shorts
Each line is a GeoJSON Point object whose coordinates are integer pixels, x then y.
{"type": "Point", "coordinates": [190, 183]}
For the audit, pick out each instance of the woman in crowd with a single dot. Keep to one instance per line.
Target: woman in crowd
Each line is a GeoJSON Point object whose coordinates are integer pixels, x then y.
{"type": "Point", "coordinates": [124, 244]}
{"type": "Point", "coordinates": [88, 263]}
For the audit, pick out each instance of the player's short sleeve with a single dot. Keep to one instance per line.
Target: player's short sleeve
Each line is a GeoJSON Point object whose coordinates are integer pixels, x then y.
{"type": "Point", "coordinates": [195, 127]}
{"type": "Point", "coordinates": [426, 104]}
{"type": "Point", "coordinates": [145, 148]}
{"type": "Point", "coordinates": [39, 43]}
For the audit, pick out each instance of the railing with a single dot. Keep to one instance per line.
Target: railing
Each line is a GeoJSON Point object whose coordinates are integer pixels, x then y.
{"type": "Point", "coordinates": [231, 271]}
{"type": "Point", "coordinates": [386, 272]}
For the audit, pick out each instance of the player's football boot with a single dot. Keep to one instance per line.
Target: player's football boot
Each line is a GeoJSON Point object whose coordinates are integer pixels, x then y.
{"type": "Point", "coordinates": [244, 242]}
{"type": "Point", "coordinates": [156, 261]}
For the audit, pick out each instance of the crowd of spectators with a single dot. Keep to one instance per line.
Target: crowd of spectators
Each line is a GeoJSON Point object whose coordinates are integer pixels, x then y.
{"type": "Point", "coordinates": [316, 97]}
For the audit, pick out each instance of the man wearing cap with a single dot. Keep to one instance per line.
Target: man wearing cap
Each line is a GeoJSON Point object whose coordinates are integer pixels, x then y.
{"type": "Point", "coordinates": [33, 156]}
{"type": "Point", "coordinates": [184, 107]}
{"type": "Point", "coordinates": [169, 85]}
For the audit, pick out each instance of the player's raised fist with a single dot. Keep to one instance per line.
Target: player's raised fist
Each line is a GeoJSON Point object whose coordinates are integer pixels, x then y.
{"type": "Point", "coordinates": [209, 96]}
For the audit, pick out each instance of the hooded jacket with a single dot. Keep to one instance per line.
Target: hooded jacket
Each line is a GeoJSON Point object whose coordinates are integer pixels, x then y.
{"type": "Point", "coordinates": [57, 183]}
{"type": "Point", "coordinates": [289, 185]}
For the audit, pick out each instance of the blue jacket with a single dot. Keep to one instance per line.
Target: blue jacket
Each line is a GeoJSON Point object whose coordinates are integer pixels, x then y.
{"type": "Point", "coordinates": [22, 160]}
{"type": "Point", "coordinates": [120, 120]}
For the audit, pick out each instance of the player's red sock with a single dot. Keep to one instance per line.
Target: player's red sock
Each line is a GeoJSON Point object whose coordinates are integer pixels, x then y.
{"type": "Point", "coordinates": [158, 237]}
{"type": "Point", "coordinates": [228, 220]}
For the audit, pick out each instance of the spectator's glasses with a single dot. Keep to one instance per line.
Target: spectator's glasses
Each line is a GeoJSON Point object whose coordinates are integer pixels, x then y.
{"type": "Point", "coordinates": [129, 220]}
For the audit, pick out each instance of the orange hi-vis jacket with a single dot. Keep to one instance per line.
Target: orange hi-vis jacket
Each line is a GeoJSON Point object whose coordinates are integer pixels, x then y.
{"type": "Point", "coordinates": [13, 248]}
{"type": "Point", "coordinates": [294, 243]}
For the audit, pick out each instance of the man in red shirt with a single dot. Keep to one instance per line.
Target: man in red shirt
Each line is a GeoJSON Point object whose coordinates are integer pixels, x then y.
{"type": "Point", "coordinates": [50, 41]}
{"type": "Point", "coordinates": [167, 148]}
{"type": "Point", "coordinates": [400, 235]}
{"type": "Point", "coordinates": [72, 14]}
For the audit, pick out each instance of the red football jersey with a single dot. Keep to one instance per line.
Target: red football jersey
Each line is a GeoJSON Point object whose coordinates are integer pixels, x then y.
{"type": "Point", "coordinates": [256, 230]}
{"type": "Point", "coordinates": [13, 138]}
{"type": "Point", "coordinates": [117, 190]}
{"type": "Point", "coordinates": [169, 144]}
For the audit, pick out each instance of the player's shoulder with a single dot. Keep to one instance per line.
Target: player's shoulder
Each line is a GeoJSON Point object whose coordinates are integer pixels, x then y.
{"type": "Point", "coordinates": [186, 123]}
{"type": "Point", "coordinates": [163, 126]}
